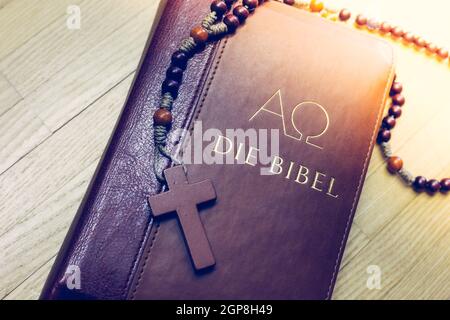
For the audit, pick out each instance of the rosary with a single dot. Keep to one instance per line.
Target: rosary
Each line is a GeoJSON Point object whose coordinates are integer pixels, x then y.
{"type": "Point", "coordinates": [227, 15]}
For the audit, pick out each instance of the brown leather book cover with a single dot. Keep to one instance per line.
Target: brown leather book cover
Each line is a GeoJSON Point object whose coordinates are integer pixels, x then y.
{"type": "Point", "coordinates": [277, 229]}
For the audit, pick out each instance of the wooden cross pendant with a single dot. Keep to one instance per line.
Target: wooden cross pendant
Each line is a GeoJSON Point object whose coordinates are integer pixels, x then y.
{"type": "Point", "coordinates": [183, 199]}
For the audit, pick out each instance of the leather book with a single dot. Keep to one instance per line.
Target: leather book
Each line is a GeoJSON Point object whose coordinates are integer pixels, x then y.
{"type": "Point", "coordinates": [279, 223]}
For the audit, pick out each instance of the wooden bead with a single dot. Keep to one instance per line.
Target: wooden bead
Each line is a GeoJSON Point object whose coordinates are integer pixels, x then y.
{"type": "Point", "coordinates": [199, 34]}
{"type": "Point", "coordinates": [445, 184]}
{"type": "Point", "coordinates": [241, 13]}
{"type": "Point", "coordinates": [432, 48]}
{"type": "Point", "coordinates": [345, 15]}
{"type": "Point", "coordinates": [433, 186]}
{"type": "Point", "coordinates": [419, 41]}
{"type": "Point", "coordinates": [386, 27]}
{"type": "Point", "coordinates": [316, 5]}
{"type": "Point", "coordinates": [162, 117]}
{"type": "Point", "coordinates": [373, 24]}
{"type": "Point", "coordinates": [384, 135]}
{"type": "Point", "coordinates": [180, 59]}
{"type": "Point", "coordinates": [394, 164]}
{"type": "Point", "coordinates": [250, 4]}
{"type": "Point", "coordinates": [396, 88]}
{"type": "Point", "coordinates": [232, 22]}
{"type": "Point", "coordinates": [361, 20]}
{"type": "Point", "coordinates": [395, 111]}
{"type": "Point", "coordinates": [443, 53]}
{"type": "Point", "coordinates": [174, 73]}
{"type": "Point", "coordinates": [397, 32]}
{"type": "Point", "coordinates": [408, 37]}
{"type": "Point", "coordinates": [389, 122]}
{"type": "Point", "coordinates": [170, 86]}
{"type": "Point", "coordinates": [219, 7]}
{"type": "Point", "coordinates": [398, 100]}
{"type": "Point", "coordinates": [420, 183]}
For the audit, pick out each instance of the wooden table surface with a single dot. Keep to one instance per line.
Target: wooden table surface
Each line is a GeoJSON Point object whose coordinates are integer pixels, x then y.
{"type": "Point", "coordinates": [61, 91]}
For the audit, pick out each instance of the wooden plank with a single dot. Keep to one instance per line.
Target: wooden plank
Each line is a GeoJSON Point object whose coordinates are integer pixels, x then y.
{"type": "Point", "coordinates": [36, 239]}
{"type": "Point", "coordinates": [356, 242]}
{"type": "Point", "coordinates": [23, 19]}
{"type": "Point", "coordinates": [31, 288]}
{"type": "Point", "coordinates": [78, 84]}
{"type": "Point", "coordinates": [58, 160]}
{"type": "Point", "coordinates": [8, 95]}
{"type": "Point", "coordinates": [20, 131]}
{"type": "Point", "coordinates": [72, 89]}
{"type": "Point", "coordinates": [102, 32]}
{"type": "Point", "coordinates": [430, 276]}
{"type": "Point", "coordinates": [402, 248]}
{"type": "Point", "coordinates": [41, 216]}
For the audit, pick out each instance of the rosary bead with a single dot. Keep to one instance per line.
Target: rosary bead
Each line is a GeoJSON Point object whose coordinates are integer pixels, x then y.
{"type": "Point", "coordinates": [219, 7]}
{"type": "Point", "coordinates": [398, 100]}
{"type": "Point", "coordinates": [199, 34]}
{"type": "Point", "coordinates": [384, 135]}
{"type": "Point", "coordinates": [241, 13]}
{"type": "Point", "coordinates": [162, 117]}
{"type": "Point", "coordinates": [419, 41]}
{"type": "Point", "coordinates": [420, 183]}
{"type": "Point", "coordinates": [289, 2]}
{"type": "Point", "coordinates": [386, 27]}
{"type": "Point", "coordinates": [231, 21]}
{"type": "Point", "coordinates": [396, 88]}
{"type": "Point", "coordinates": [397, 32]}
{"type": "Point", "coordinates": [175, 73]}
{"type": "Point", "coordinates": [373, 24]}
{"type": "Point", "coordinates": [395, 111]}
{"type": "Point", "coordinates": [345, 14]}
{"type": "Point", "coordinates": [180, 59]}
{"type": "Point", "coordinates": [445, 184]}
{"type": "Point", "coordinates": [431, 47]}
{"type": "Point", "coordinates": [433, 186]}
{"type": "Point", "coordinates": [443, 53]}
{"type": "Point", "coordinates": [250, 4]}
{"type": "Point", "coordinates": [170, 86]}
{"type": "Point", "coordinates": [408, 37]}
{"type": "Point", "coordinates": [395, 164]}
{"type": "Point", "coordinates": [389, 122]}
{"type": "Point", "coordinates": [361, 20]}
{"type": "Point", "coordinates": [316, 5]}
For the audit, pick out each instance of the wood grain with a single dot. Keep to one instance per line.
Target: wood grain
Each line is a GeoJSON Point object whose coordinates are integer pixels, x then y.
{"type": "Point", "coordinates": [23, 19]}
{"type": "Point", "coordinates": [48, 203]}
{"type": "Point", "coordinates": [8, 95]}
{"type": "Point", "coordinates": [60, 94]}
{"type": "Point", "coordinates": [20, 132]}
{"type": "Point", "coordinates": [56, 46]}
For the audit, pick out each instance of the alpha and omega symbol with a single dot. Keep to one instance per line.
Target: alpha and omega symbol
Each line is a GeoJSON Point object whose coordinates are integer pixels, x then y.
{"type": "Point", "coordinates": [306, 122]}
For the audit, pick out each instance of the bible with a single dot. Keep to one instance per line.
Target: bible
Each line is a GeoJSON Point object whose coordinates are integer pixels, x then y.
{"type": "Point", "coordinates": [274, 126]}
